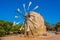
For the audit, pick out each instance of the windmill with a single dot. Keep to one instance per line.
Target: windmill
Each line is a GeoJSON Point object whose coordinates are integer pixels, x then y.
{"type": "Point", "coordinates": [26, 19]}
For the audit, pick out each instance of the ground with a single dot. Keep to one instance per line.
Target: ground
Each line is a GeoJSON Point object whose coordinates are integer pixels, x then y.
{"type": "Point", "coordinates": [18, 37]}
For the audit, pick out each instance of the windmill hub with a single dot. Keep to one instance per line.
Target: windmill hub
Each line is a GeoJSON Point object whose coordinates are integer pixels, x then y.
{"type": "Point", "coordinates": [28, 15]}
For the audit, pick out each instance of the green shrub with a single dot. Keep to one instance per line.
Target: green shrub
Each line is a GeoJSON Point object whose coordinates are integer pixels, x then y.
{"type": "Point", "coordinates": [8, 29]}
{"type": "Point", "coordinates": [2, 32]}
{"type": "Point", "coordinates": [15, 29]}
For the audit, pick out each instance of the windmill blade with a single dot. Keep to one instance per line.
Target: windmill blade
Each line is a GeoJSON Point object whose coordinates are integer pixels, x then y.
{"type": "Point", "coordinates": [17, 23]}
{"type": "Point", "coordinates": [25, 26]}
{"type": "Point", "coordinates": [31, 32]}
{"type": "Point", "coordinates": [14, 23]}
{"type": "Point", "coordinates": [33, 23]}
{"type": "Point", "coordinates": [35, 7]}
{"type": "Point", "coordinates": [22, 15]}
{"type": "Point", "coordinates": [22, 27]}
{"type": "Point", "coordinates": [16, 16]}
{"type": "Point", "coordinates": [24, 8]}
{"type": "Point", "coordinates": [29, 4]}
{"type": "Point", "coordinates": [29, 28]}
{"type": "Point", "coordinates": [18, 10]}
{"type": "Point", "coordinates": [32, 15]}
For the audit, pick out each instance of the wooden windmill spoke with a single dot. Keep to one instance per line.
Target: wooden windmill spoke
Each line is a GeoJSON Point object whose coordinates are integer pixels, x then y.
{"type": "Point", "coordinates": [29, 28]}
{"type": "Point", "coordinates": [31, 31]}
{"type": "Point", "coordinates": [25, 26]}
{"type": "Point", "coordinates": [32, 22]}
{"type": "Point", "coordinates": [21, 14]}
{"type": "Point", "coordinates": [32, 15]}
{"type": "Point", "coordinates": [33, 25]}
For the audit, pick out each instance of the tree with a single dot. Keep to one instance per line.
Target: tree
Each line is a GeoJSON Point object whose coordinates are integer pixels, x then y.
{"type": "Point", "coordinates": [2, 31]}
{"type": "Point", "coordinates": [56, 26]}
{"type": "Point", "coordinates": [47, 26]}
{"type": "Point", "coordinates": [6, 26]}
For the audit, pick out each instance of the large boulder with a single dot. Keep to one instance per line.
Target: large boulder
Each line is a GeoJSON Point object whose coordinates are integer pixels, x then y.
{"type": "Point", "coordinates": [37, 27]}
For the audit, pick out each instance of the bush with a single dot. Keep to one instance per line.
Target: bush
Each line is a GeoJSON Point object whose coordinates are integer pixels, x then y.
{"type": "Point", "coordinates": [2, 32]}
{"type": "Point", "coordinates": [8, 29]}
{"type": "Point", "coordinates": [15, 29]}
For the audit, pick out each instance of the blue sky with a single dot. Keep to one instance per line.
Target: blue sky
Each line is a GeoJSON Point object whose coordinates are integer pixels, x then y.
{"type": "Point", "coordinates": [49, 9]}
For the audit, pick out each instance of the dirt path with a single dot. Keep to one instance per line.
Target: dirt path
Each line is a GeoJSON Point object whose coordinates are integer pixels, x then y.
{"type": "Point", "coordinates": [17, 37]}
